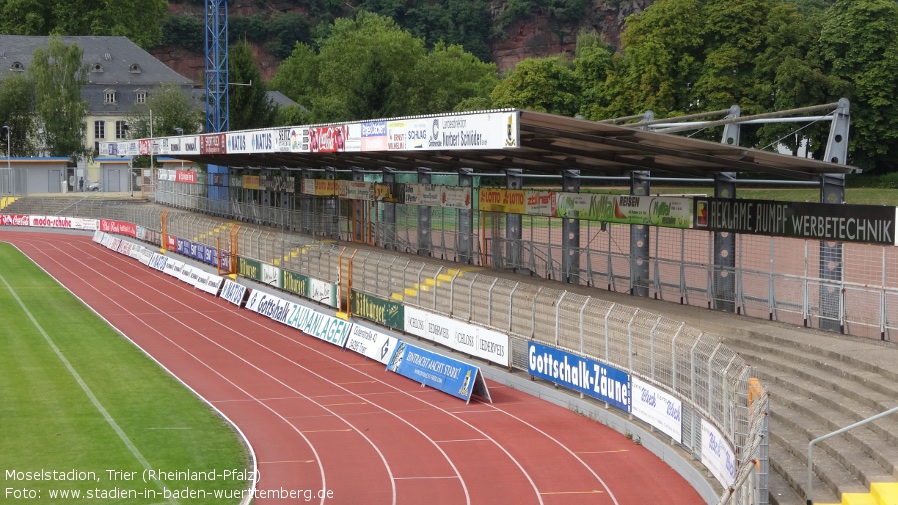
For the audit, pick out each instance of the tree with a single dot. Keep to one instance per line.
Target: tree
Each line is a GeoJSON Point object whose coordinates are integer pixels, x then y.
{"type": "Point", "coordinates": [58, 75]}
{"type": "Point", "coordinates": [592, 61]}
{"type": "Point", "coordinates": [859, 45]}
{"type": "Point", "coordinates": [170, 109]}
{"type": "Point", "coordinates": [17, 112]}
{"type": "Point", "coordinates": [248, 103]}
{"type": "Point", "coordinates": [540, 84]}
{"type": "Point", "coordinates": [297, 76]}
{"type": "Point", "coordinates": [138, 20]}
{"type": "Point", "coordinates": [447, 76]}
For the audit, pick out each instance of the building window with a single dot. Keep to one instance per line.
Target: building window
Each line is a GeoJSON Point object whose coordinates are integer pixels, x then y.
{"type": "Point", "coordinates": [121, 130]}
{"type": "Point", "coordinates": [134, 68]}
{"type": "Point", "coordinates": [17, 66]}
{"type": "Point", "coordinates": [99, 129]}
{"type": "Point", "coordinates": [109, 96]}
{"type": "Point", "coordinates": [140, 96]}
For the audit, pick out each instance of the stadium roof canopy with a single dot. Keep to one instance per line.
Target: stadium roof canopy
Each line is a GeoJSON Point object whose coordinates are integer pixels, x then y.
{"type": "Point", "coordinates": [487, 142]}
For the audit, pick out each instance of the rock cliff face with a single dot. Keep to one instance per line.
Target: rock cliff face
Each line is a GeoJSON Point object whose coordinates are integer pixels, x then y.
{"type": "Point", "coordinates": [538, 36]}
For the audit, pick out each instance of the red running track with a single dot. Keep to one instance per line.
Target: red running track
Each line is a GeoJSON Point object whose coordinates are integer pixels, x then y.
{"type": "Point", "coordinates": [318, 417]}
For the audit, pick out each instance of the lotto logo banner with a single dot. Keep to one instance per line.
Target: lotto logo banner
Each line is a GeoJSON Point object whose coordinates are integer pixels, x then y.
{"type": "Point", "coordinates": [580, 374]}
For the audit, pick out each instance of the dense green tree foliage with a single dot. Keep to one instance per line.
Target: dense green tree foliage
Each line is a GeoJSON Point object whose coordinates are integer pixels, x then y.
{"type": "Point", "coordinates": [167, 109]}
{"type": "Point", "coordinates": [540, 84]}
{"type": "Point", "coordinates": [58, 74]}
{"type": "Point", "coordinates": [369, 67]}
{"type": "Point", "coordinates": [136, 19]}
{"type": "Point", "coordinates": [248, 103]}
{"type": "Point", "coordinates": [17, 112]}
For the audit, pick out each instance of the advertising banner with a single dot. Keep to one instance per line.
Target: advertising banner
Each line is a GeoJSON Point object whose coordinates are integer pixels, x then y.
{"type": "Point", "coordinates": [233, 292]}
{"type": "Point", "coordinates": [282, 140]}
{"type": "Point", "coordinates": [186, 176]}
{"type": "Point", "coordinates": [327, 139]}
{"type": "Point", "coordinates": [383, 312]}
{"type": "Point", "coordinates": [437, 371]}
{"type": "Point", "coordinates": [717, 455]}
{"type": "Point", "coordinates": [320, 187]}
{"type": "Point", "coordinates": [158, 261]}
{"type": "Point", "coordinates": [299, 140]}
{"type": "Point", "coordinates": [396, 134]}
{"type": "Point", "coordinates": [455, 197]}
{"type": "Point", "coordinates": [427, 195]}
{"type": "Point", "coordinates": [870, 224]}
{"type": "Point", "coordinates": [15, 220]}
{"type": "Point", "coordinates": [251, 182]}
{"type": "Point", "coordinates": [374, 136]}
{"type": "Point", "coordinates": [509, 201]}
{"type": "Point", "coordinates": [387, 192]}
{"type": "Point", "coordinates": [270, 306]}
{"type": "Point", "coordinates": [357, 190]}
{"type": "Point", "coordinates": [271, 275]}
{"type": "Point", "coordinates": [322, 326]}
{"type": "Point", "coordinates": [238, 142]}
{"type": "Point", "coordinates": [322, 292]}
{"type": "Point", "coordinates": [251, 269]}
{"type": "Point", "coordinates": [213, 143]}
{"type": "Point", "coordinates": [672, 212]}
{"type": "Point", "coordinates": [657, 408]}
{"type": "Point", "coordinates": [539, 203]}
{"type": "Point", "coordinates": [371, 343]}
{"type": "Point", "coordinates": [580, 374]}
{"type": "Point", "coordinates": [190, 145]}
{"type": "Point", "coordinates": [118, 227]}
{"type": "Point", "coordinates": [263, 141]}
{"type": "Point", "coordinates": [497, 130]}
{"type": "Point", "coordinates": [294, 283]}
{"type": "Point", "coordinates": [457, 335]}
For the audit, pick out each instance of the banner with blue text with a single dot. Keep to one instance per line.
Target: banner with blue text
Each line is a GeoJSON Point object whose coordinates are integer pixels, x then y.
{"type": "Point", "coordinates": [580, 374]}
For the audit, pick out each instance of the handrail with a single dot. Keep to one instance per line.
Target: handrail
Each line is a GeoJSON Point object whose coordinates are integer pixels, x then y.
{"type": "Point", "coordinates": [828, 435]}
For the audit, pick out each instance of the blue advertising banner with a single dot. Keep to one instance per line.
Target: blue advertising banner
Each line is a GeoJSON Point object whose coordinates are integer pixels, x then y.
{"type": "Point", "coordinates": [580, 374]}
{"type": "Point", "coordinates": [440, 372]}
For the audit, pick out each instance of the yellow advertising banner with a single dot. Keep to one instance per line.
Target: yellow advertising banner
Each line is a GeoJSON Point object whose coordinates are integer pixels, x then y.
{"type": "Point", "coordinates": [510, 201]}
{"type": "Point", "coordinates": [251, 182]}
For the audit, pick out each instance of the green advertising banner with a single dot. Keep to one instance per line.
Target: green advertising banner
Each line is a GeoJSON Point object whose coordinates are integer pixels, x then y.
{"type": "Point", "coordinates": [384, 312]}
{"type": "Point", "coordinates": [673, 212]}
{"type": "Point", "coordinates": [295, 283]}
{"type": "Point", "coordinates": [251, 269]}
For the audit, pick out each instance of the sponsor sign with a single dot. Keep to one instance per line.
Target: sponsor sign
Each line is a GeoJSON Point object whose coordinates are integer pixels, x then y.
{"type": "Point", "coordinates": [473, 131]}
{"type": "Point", "coordinates": [871, 224]}
{"type": "Point", "coordinates": [328, 139]}
{"type": "Point", "coordinates": [320, 187]}
{"type": "Point", "coordinates": [580, 374]}
{"type": "Point", "coordinates": [171, 243]}
{"type": "Point", "coordinates": [717, 455]}
{"type": "Point", "coordinates": [213, 143]}
{"type": "Point", "coordinates": [251, 182]}
{"type": "Point", "coordinates": [323, 292]}
{"type": "Point", "coordinates": [51, 221]}
{"type": "Point", "coordinates": [396, 135]}
{"type": "Point", "coordinates": [294, 283]}
{"type": "Point", "coordinates": [15, 220]}
{"type": "Point", "coordinates": [118, 227]}
{"type": "Point", "coordinates": [371, 343]}
{"type": "Point", "coordinates": [353, 137]}
{"type": "Point", "coordinates": [457, 335]}
{"type": "Point", "coordinates": [238, 142]}
{"type": "Point", "coordinates": [190, 144]}
{"type": "Point", "coordinates": [186, 176]}
{"type": "Point", "coordinates": [208, 282]}
{"type": "Point", "coordinates": [416, 133]}
{"type": "Point", "coordinates": [273, 307]}
{"type": "Point", "coordinates": [374, 136]}
{"type": "Point", "coordinates": [510, 201]}
{"type": "Point", "coordinates": [299, 140]}
{"type": "Point", "coordinates": [271, 275]}
{"type": "Point", "coordinates": [321, 326]}
{"type": "Point", "coordinates": [357, 190]}
{"type": "Point", "coordinates": [124, 248]}
{"type": "Point", "coordinates": [383, 312]}
{"type": "Point", "coordinates": [251, 269]}
{"type": "Point", "coordinates": [282, 140]}
{"type": "Point", "coordinates": [428, 195]}
{"type": "Point", "coordinates": [657, 408]}
{"type": "Point", "coordinates": [233, 292]}
{"type": "Point", "coordinates": [158, 261]}
{"type": "Point", "coordinates": [263, 141]}
{"type": "Point", "coordinates": [386, 192]}
{"type": "Point", "coordinates": [539, 203]}
{"type": "Point", "coordinates": [670, 212]}
{"type": "Point", "coordinates": [437, 371]}
{"type": "Point", "coordinates": [455, 197]}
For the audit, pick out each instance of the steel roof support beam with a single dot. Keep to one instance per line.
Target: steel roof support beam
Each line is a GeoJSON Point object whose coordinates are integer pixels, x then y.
{"type": "Point", "coordinates": [389, 216]}
{"type": "Point", "coordinates": [425, 241]}
{"type": "Point", "coordinates": [639, 239]}
{"type": "Point", "coordinates": [465, 236]}
{"type": "Point", "coordinates": [570, 229]}
{"type": "Point", "coordinates": [513, 223]}
{"type": "Point", "coordinates": [724, 294]}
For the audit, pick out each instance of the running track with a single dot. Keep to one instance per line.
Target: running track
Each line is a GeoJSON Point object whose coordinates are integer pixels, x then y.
{"type": "Point", "coordinates": [321, 418]}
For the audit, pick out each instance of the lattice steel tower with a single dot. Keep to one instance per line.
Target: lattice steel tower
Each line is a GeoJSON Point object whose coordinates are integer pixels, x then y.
{"type": "Point", "coordinates": [216, 66]}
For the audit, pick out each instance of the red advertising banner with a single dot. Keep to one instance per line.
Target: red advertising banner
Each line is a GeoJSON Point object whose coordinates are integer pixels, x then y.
{"type": "Point", "coordinates": [118, 227]}
{"type": "Point", "coordinates": [327, 139]}
{"type": "Point", "coordinates": [213, 143]}
{"type": "Point", "coordinates": [171, 243]}
{"type": "Point", "coordinates": [143, 147]}
{"type": "Point", "coordinates": [185, 176]}
{"type": "Point", "coordinates": [14, 220]}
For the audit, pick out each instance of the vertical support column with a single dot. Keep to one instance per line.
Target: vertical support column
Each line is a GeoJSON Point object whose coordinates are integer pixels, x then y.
{"type": "Point", "coordinates": [265, 196]}
{"type": "Point", "coordinates": [513, 252]}
{"type": "Point", "coordinates": [723, 296]}
{"type": "Point", "coordinates": [358, 214]}
{"type": "Point", "coordinates": [464, 242]}
{"type": "Point", "coordinates": [306, 211]}
{"type": "Point", "coordinates": [832, 190]}
{"type": "Point", "coordinates": [570, 229]}
{"type": "Point", "coordinates": [425, 241]}
{"type": "Point", "coordinates": [331, 208]}
{"type": "Point", "coordinates": [639, 239]}
{"type": "Point", "coordinates": [216, 65]}
{"type": "Point", "coordinates": [389, 218]}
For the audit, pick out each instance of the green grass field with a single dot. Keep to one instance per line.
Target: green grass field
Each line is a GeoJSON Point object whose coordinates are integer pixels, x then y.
{"type": "Point", "coordinates": [51, 424]}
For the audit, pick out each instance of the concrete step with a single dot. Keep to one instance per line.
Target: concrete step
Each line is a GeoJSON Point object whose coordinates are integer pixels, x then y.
{"type": "Point", "coordinates": [792, 472]}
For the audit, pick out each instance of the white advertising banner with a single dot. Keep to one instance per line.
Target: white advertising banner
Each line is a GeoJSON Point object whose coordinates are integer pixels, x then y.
{"type": "Point", "coordinates": [657, 408]}
{"type": "Point", "coordinates": [717, 455]}
{"type": "Point", "coordinates": [271, 306]}
{"type": "Point", "coordinates": [371, 343]}
{"type": "Point", "coordinates": [323, 292]}
{"type": "Point", "coordinates": [238, 142]}
{"type": "Point", "coordinates": [271, 275]}
{"type": "Point", "coordinates": [158, 262]}
{"type": "Point", "coordinates": [233, 292]}
{"type": "Point", "coordinates": [490, 130]}
{"type": "Point", "coordinates": [463, 337]}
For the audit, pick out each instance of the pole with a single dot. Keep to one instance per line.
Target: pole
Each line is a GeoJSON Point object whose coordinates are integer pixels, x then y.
{"type": "Point", "coordinates": [152, 151]}
{"type": "Point", "coordinates": [8, 163]}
